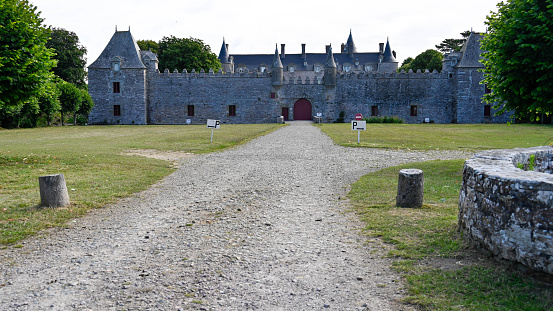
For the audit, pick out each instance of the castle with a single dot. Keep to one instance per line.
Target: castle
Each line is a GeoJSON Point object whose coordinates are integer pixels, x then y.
{"type": "Point", "coordinates": [128, 88]}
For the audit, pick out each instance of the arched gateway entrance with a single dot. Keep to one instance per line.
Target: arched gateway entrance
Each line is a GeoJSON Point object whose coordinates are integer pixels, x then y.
{"type": "Point", "coordinates": [302, 110]}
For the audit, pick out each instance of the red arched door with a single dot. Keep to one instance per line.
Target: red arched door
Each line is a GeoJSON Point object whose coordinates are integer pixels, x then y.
{"type": "Point", "coordinates": [302, 110]}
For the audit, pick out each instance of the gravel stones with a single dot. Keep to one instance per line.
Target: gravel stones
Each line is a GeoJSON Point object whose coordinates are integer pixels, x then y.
{"type": "Point", "coordinates": [258, 227]}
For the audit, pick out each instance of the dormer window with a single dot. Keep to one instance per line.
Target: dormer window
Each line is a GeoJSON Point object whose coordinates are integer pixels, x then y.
{"type": "Point", "coordinates": [116, 63]}
{"type": "Point", "coordinates": [347, 68]}
{"type": "Point", "coordinates": [317, 68]}
{"type": "Point", "coordinates": [368, 68]}
{"type": "Point", "coordinates": [305, 64]}
{"type": "Point", "coordinates": [242, 69]}
{"type": "Point", "coordinates": [292, 69]}
{"type": "Point", "coordinates": [356, 62]}
{"type": "Point", "coordinates": [262, 69]}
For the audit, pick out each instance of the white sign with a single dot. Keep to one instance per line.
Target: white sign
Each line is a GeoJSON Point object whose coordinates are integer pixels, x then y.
{"type": "Point", "coordinates": [359, 125]}
{"type": "Point", "coordinates": [213, 124]}
{"type": "Point", "coordinates": [319, 114]}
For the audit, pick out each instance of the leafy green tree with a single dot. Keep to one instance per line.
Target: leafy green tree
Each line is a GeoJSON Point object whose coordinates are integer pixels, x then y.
{"type": "Point", "coordinates": [429, 59]}
{"type": "Point", "coordinates": [146, 45]}
{"type": "Point", "coordinates": [48, 101]}
{"type": "Point", "coordinates": [179, 53]}
{"type": "Point", "coordinates": [86, 105]}
{"type": "Point", "coordinates": [405, 63]}
{"type": "Point", "coordinates": [519, 58]}
{"type": "Point", "coordinates": [25, 61]}
{"type": "Point", "coordinates": [70, 55]}
{"type": "Point", "coordinates": [453, 44]}
{"type": "Point", "coordinates": [70, 99]}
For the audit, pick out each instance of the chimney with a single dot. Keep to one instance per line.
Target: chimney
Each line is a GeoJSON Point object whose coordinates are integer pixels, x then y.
{"type": "Point", "coordinates": [343, 49]}
{"type": "Point", "coordinates": [303, 51]}
{"type": "Point", "coordinates": [381, 48]}
{"type": "Point", "coordinates": [394, 52]}
{"type": "Point", "coordinates": [226, 46]}
{"type": "Point", "coordinates": [282, 53]}
{"type": "Point", "coordinates": [327, 47]}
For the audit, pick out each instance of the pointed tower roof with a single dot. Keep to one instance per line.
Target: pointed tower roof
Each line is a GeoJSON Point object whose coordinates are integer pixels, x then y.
{"type": "Point", "coordinates": [350, 44]}
{"type": "Point", "coordinates": [471, 52]}
{"type": "Point", "coordinates": [122, 45]}
{"type": "Point", "coordinates": [223, 55]}
{"type": "Point", "coordinates": [330, 59]}
{"type": "Point", "coordinates": [276, 60]}
{"type": "Point", "coordinates": [388, 55]}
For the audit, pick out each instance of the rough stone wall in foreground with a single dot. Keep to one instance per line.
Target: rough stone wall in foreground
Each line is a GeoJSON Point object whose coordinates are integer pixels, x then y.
{"type": "Point", "coordinates": [507, 210]}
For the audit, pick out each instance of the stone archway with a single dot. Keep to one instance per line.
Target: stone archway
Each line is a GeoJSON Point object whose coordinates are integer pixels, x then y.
{"type": "Point", "coordinates": [302, 110]}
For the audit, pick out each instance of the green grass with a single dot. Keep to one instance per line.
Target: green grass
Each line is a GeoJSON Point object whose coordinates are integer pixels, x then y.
{"type": "Point", "coordinates": [442, 136]}
{"type": "Point", "coordinates": [420, 236]}
{"type": "Point", "coordinates": [95, 169]}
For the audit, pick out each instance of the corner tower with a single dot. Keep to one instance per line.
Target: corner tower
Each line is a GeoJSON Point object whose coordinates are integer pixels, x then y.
{"type": "Point", "coordinates": [226, 60]}
{"type": "Point", "coordinates": [117, 83]}
{"type": "Point", "coordinates": [389, 62]}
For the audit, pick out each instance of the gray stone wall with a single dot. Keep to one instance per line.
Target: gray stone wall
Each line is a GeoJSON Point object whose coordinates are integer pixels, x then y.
{"type": "Point", "coordinates": [507, 210]}
{"type": "Point", "coordinates": [163, 98]}
{"type": "Point", "coordinates": [131, 98]}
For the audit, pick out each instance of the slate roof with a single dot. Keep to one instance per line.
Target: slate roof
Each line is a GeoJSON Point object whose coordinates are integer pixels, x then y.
{"type": "Point", "coordinates": [123, 45]}
{"type": "Point", "coordinates": [388, 55]}
{"type": "Point", "coordinates": [252, 61]}
{"type": "Point", "coordinates": [471, 52]}
{"type": "Point", "coordinates": [223, 54]}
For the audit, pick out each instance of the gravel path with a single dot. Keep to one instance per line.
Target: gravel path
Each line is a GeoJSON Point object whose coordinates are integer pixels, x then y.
{"type": "Point", "coordinates": [259, 227]}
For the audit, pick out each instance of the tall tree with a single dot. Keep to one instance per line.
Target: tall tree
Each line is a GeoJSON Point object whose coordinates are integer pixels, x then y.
{"type": "Point", "coordinates": [519, 58]}
{"type": "Point", "coordinates": [70, 99]}
{"type": "Point", "coordinates": [25, 61]}
{"type": "Point", "coordinates": [180, 53]}
{"type": "Point", "coordinates": [429, 59]}
{"type": "Point", "coordinates": [70, 55]}
{"type": "Point", "coordinates": [453, 44]}
{"type": "Point", "coordinates": [146, 45]}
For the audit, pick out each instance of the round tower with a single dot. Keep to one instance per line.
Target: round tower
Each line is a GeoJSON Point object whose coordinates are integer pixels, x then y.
{"type": "Point", "coordinates": [277, 70]}
{"type": "Point", "coordinates": [330, 69]}
{"type": "Point", "coordinates": [226, 60]}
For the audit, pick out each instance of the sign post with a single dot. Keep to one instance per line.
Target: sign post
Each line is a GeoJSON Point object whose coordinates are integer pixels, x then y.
{"type": "Point", "coordinates": [359, 126]}
{"type": "Point", "coordinates": [213, 125]}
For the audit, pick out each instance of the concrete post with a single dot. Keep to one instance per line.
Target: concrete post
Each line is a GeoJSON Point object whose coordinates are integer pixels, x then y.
{"type": "Point", "coordinates": [53, 191]}
{"type": "Point", "coordinates": [410, 188]}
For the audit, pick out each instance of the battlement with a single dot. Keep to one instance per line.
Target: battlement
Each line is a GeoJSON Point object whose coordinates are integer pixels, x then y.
{"type": "Point", "coordinates": [210, 74]}
{"type": "Point", "coordinates": [419, 74]}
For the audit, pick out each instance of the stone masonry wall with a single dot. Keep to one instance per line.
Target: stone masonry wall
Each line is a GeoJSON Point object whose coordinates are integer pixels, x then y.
{"type": "Point", "coordinates": [433, 94]}
{"type": "Point", "coordinates": [507, 210]}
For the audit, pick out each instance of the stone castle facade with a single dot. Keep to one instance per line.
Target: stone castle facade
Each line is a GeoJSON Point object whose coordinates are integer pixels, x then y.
{"type": "Point", "coordinates": [128, 88]}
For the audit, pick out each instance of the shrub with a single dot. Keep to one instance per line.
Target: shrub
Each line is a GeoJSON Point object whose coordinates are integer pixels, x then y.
{"type": "Point", "coordinates": [384, 119]}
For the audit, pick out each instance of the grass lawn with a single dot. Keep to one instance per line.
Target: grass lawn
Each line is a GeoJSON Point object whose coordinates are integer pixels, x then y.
{"type": "Point", "coordinates": [442, 136]}
{"type": "Point", "coordinates": [421, 237]}
{"type": "Point", "coordinates": [95, 169]}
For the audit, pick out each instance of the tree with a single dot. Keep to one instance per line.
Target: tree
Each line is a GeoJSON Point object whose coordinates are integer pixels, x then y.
{"type": "Point", "coordinates": [405, 63]}
{"type": "Point", "coordinates": [429, 59]}
{"type": "Point", "coordinates": [453, 44]}
{"type": "Point", "coordinates": [48, 101]}
{"type": "Point", "coordinates": [70, 98]}
{"type": "Point", "coordinates": [519, 58]}
{"type": "Point", "coordinates": [146, 45]}
{"type": "Point", "coordinates": [179, 53]}
{"type": "Point", "coordinates": [70, 55]}
{"type": "Point", "coordinates": [25, 61]}
{"type": "Point", "coordinates": [86, 105]}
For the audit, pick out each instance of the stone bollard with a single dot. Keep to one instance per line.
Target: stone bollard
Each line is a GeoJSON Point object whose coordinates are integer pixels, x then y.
{"type": "Point", "coordinates": [53, 191]}
{"type": "Point", "coordinates": [410, 188]}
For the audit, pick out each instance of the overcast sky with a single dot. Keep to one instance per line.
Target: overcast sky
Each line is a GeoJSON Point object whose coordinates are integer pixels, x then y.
{"type": "Point", "coordinates": [256, 26]}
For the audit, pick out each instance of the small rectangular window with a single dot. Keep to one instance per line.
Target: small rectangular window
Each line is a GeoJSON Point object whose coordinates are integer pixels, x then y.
{"type": "Point", "coordinates": [413, 111]}
{"type": "Point", "coordinates": [116, 87]}
{"type": "Point", "coordinates": [116, 110]}
{"type": "Point", "coordinates": [374, 111]}
{"type": "Point", "coordinates": [190, 110]}
{"type": "Point", "coordinates": [488, 90]}
{"type": "Point", "coordinates": [232, 110]}
{"type": "Point", "coordinates": [273, 94]}
{"type": "Point", "coordinates": [487, 110]}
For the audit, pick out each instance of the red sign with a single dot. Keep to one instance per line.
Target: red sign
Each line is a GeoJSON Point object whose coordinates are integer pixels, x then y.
{"type": "Point", "coordinates": [358, 117]}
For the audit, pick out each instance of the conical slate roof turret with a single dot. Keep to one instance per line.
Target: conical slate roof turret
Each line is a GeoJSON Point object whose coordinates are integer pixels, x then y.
{"type": "Point", "coordinates": [388, 55]}
{"type": "Point", "coordinates": [276, 60]}
{"type": "Point", "coordinates": [122, 45]}
{"type": "Point", "coordinates": [330, 59]}
{"type": "Point", "coordinates": [223, 55]}
{"type": "Point", "coordinates": [350, 45]}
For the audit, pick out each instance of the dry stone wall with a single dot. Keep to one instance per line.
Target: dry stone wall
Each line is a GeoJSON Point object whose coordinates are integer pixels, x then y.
{"type": "Point", "coordinates": [507, 210]}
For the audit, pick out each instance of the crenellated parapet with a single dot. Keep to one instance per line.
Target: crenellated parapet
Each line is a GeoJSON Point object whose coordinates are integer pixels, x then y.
{"type": "Point", "coordinates": [210, 74]}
